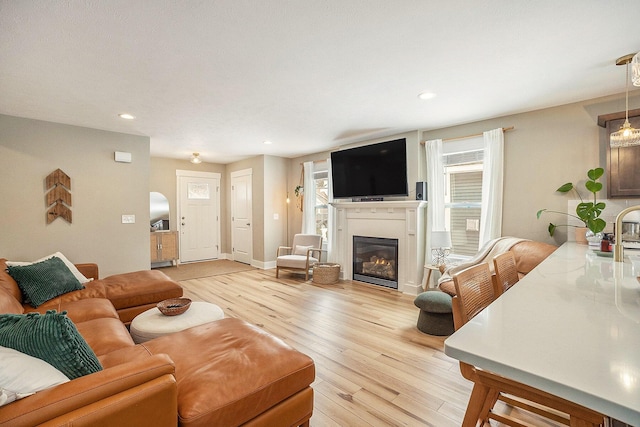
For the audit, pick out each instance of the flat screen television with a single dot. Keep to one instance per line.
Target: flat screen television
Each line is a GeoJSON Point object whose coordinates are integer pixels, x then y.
{"type": "Point", "coordinates": [374, 170]}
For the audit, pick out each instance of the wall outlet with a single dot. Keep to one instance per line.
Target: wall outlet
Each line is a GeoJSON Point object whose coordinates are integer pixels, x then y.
{"type": "Point", "coordinates": [128, 219]}
{"type": "Point", "coordinates": [276, 216]}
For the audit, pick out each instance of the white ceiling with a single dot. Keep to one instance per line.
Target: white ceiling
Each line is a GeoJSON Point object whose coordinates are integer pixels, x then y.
{"type": "Point", "coordinates": [222, 76]}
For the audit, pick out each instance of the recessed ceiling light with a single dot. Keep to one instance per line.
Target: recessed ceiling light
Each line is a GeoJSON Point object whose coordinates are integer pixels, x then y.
{"type": "Point", "coordinates": [427, 95]}
{"type": "Point", "coordinates": [267, 142]}
{"type": "Point", "coordinates": [126, 116]}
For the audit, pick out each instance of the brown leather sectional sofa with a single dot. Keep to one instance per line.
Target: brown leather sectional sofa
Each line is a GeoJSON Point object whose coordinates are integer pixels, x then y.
{"type": "Point", "coordinates": [224, 373]}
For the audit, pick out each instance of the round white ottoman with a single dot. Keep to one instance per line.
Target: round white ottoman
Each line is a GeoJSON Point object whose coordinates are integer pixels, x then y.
{"type": "Point", "coordinates": [152, 324]}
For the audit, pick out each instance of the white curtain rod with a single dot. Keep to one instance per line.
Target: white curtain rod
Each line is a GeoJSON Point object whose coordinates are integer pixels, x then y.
{"type": "Point", "coordinates": [470, 136]}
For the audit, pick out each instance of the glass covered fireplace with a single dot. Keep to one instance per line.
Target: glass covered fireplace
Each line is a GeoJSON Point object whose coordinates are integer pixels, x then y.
{"type": "Point", "coordinates": [375, 260]}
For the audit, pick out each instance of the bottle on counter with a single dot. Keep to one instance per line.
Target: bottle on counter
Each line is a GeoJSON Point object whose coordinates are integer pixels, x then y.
{"type": "Point", "coordinates": [605, 243]}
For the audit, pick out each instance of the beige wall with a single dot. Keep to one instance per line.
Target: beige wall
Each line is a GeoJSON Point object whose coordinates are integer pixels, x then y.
{"type": "Point", "coordinates": [163, 180]}
{"type": "Point", "coordinates": [275, 204]}
{"type": "Point", "coordinates": [546, 149]}
{"type": "Point", "coordinates": [268, 190]}
{"type": "Point", "coordinates": [102, 190]}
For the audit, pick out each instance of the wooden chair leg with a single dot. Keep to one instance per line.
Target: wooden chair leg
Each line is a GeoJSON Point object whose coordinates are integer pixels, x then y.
{"type": "Point", "coordinates": [489, 403]}
{"type": "Point", "coordinates": [476, 403]}
{"type": "Point", "coordinates": [277, 271]}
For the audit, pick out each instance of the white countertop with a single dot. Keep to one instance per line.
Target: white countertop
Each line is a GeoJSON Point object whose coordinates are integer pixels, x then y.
{"type": "Point", "coordinates": [570, 327]}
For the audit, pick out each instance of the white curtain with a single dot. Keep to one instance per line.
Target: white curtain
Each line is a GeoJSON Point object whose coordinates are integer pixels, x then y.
{"type": "Point", "coordinates": [435, 192]}
{"type": "Point", "coordinates": [332, 216]}
{"type": "Point", "coordinates": [309, 204]}
{"type": "Point", "coordinates": [492, 183]}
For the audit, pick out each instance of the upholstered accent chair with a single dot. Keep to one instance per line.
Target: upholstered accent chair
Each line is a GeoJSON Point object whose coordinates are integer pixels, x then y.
{"type": "Point", "coordinates": [305, 250]}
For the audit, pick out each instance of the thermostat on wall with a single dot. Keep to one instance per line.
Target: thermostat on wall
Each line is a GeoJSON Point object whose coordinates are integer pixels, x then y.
{"type": "Point", "coordinates": [123, 157]}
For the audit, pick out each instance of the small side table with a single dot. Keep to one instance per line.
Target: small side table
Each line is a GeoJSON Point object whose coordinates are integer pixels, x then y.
{"type": "Point", "coordinates": [429, 268]}
{"type": "Point", "coordinates": [152, 324]}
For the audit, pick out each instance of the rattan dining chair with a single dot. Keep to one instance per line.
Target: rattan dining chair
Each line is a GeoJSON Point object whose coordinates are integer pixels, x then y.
{"type": "Point", "coordinates": [474, 292]}
{"type": "Point", "coordinates": [504, 266]}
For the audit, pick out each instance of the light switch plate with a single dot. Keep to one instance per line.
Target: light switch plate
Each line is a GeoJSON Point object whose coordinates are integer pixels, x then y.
{"type": "Point", "coordinates": [128, 219]}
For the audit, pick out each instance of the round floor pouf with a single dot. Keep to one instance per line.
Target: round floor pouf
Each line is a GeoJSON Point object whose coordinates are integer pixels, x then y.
{"type": "Point", "coordinates": [436, 315]}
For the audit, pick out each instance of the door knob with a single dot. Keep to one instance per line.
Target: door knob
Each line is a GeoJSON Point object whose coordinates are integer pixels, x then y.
{"type": "Point", "coordinates": [248, 224]}
{"type": "Point", "coordinates": [183, 223]}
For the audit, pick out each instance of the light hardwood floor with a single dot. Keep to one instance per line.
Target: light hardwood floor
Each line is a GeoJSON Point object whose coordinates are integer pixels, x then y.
{"type": "Point", "coordinates": [373, 367]}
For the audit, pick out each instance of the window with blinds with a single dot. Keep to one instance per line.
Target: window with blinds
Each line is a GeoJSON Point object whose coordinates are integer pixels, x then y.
{"type": "Point", "coordinates": [463, 162]}
{"type": "Point", "coordinates": [321, 181]}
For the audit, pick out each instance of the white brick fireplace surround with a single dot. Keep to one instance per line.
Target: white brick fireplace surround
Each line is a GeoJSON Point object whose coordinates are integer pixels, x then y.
{"type": "Point", "coordinates": [402, 220]}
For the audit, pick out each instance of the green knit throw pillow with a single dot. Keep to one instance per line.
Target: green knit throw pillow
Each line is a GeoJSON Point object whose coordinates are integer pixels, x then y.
{"type": "Point", "coordinates": [51, 337]}
{"type": "Point", "coordinates": [44, 280]}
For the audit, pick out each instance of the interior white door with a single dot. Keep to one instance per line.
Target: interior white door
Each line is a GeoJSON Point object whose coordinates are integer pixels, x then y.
{"type": "Point", "coordinates": [199, 216]}
{"type": "Point", "coordinates": [241, 236]}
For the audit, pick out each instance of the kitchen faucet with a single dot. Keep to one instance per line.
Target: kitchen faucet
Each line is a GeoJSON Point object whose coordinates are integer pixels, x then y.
{"type": "Point", "coordinates": [618, 251]}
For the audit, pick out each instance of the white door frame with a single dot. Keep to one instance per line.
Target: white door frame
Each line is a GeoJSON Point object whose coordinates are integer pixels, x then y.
{"type": "Point", "coordinates": [196, 174]}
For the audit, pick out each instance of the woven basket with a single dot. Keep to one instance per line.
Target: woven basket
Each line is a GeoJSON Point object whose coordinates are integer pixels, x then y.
{"type": "Point", "coordinates": [174, 306]}
{"type": "Point", "coordinates": [326, 273]}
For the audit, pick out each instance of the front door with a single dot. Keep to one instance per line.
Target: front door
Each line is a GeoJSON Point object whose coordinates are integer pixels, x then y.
{"type": "Point", "coordinates": [198, 215]}
{"type": "Point", "coordinates": [241, 236]}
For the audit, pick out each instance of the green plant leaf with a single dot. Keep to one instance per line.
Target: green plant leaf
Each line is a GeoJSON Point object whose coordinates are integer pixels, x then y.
{"type": "Point", "coordinates": [540, 213]}
{"type": "Point", "coordinates": [596, 225]}
{"type": "Point", "coordinates": [596, 173]}
{"type": "Point", "coordinates": [552, 229]}
{"type": "Point", "coordinates": [593, 186]}
{"type": "Point", "coordinates": [565, 188]}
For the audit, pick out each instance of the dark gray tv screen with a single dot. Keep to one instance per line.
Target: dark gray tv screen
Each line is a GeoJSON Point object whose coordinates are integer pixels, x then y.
{"type": "Point", "coordinates": [374, 170]}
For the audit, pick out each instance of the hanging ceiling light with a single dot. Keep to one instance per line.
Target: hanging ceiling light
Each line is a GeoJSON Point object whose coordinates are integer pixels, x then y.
{"type": "Point", "coordinates": [195, 158]}
{"type": "Point", "coordinates": [626, 136]}
{"type": "Point", "coordinates": [635, 69]}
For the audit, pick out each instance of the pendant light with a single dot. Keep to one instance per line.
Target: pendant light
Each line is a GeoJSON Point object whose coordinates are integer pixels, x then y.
{"type": "Point", "coordinates": [635, 69]}
{"type": "Point", "coordinates": [626, 136]}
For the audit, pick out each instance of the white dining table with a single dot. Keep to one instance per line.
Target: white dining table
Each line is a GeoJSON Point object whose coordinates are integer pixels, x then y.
{"type": "Point", "coordinates": [570, 327]}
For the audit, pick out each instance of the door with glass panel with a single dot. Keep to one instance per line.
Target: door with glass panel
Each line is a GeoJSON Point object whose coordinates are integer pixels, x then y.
{"type": "Point", "coordinates": [198, 215]}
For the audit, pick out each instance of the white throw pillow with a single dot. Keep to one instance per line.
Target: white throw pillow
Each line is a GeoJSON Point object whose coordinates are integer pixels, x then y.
{"type": "Point", "coordinates": [81, 278]}
{"type": "Point", "coordinates": [22, 375]}
{"type": "Point", "coordinates": [301, 250]}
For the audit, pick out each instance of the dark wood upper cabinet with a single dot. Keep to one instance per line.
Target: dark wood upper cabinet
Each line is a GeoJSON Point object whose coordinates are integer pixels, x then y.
{"type": "Point", "coordinates": [623, 164]}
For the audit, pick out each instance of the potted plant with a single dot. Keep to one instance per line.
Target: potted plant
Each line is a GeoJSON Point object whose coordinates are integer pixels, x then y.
{"type": "Point", "coordinates": [587, 212]}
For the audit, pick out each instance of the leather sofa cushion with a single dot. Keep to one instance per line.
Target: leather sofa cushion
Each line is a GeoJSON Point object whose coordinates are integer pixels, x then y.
{"type": "Point", "coordinates": [139, 288]}
{"type": "Point", "coordinates": [7, 283]}
{"type": "Point", "coordinates": [229, 371]}
{"type": "Point", "coordinates": [105, 335]}
{"type": "Point", "coordinates": [81, 310]}
{"type": "Point", "coordinates": [530, 253]}
{"type": "Point", "coordinates": [123, 355]}
{"type": "Point", "coordinates": [8, 304]}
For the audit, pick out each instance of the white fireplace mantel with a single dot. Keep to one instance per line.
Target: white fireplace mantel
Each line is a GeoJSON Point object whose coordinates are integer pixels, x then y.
{"type": "Point", "coordinates": [402, 220]}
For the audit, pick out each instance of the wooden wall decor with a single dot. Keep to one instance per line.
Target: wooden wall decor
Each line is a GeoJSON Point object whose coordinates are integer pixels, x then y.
{"type": "Point", "coordinates": [58, 196]}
